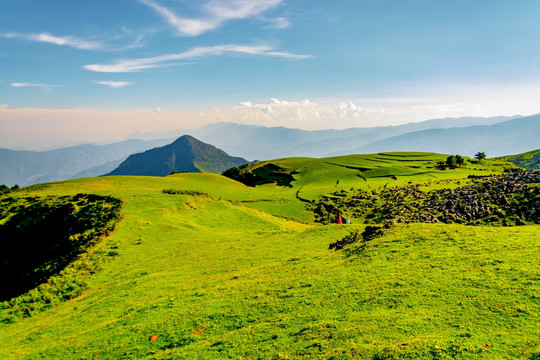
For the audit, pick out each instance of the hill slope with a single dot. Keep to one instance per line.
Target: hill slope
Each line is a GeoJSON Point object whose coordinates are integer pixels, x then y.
{"type": "Point", "coordinates": [206, 267]}
{"type": "Point", "coordinates": [186, 154]}
{"type": "Point", "coordinates": [528, 160]}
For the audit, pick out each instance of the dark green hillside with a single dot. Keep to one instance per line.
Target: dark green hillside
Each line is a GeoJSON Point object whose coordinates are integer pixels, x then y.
{"type": "Point", "coordinates": [186, 154]}
{"type": "Point", "coordinates": [528, 160]}
{"type": "Point", "coordinates": [39, 237]}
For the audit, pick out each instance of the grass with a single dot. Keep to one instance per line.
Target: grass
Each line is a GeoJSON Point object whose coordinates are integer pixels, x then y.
{"type": "Point", "coordinates": [528, 160]}
{"type": "Point", "coordinates": [216, 269]}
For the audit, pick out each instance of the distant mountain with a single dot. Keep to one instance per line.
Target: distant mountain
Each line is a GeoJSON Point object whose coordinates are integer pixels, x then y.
{"type": "Point", "coordinates": [264, 143]}
{"type": "Point", "coordinates": [454, 135]}
{"type": "Point", "coordinates": [508, 137]}
{"type": "Point", "coordinates": [528, 160]}
{"type": "Point", "coordinates": [31, 167]}
{"type": "Point", "coordinates": [352, 140]}
{"type": "Point", "coordinates": [186, 154]}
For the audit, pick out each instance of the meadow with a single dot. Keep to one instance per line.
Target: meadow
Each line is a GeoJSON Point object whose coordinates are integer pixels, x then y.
{"type": "Point", "coordinates": [205, 267]}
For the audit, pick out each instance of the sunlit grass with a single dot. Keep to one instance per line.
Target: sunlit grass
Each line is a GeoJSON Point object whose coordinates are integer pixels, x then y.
{"type": "Point", "coordinates": [243, 272]}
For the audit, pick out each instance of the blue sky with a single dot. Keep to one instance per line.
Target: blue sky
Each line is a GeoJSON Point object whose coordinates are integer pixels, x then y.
{"type": "Point", "coordinates": [153, 65]}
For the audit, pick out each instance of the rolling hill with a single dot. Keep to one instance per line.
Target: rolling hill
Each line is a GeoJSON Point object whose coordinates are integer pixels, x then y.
{"type": "Point", "coordinates": [202, 266]}
{"type": "Point", "coordinates": [186, 154]}
{"type": "Point", "coordinates": [528, 160]}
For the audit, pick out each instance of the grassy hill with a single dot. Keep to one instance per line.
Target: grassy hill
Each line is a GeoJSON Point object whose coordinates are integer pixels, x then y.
{"type": "Point", "coordinates": [528, 160]}
{"type": "Point", "coordinates": [206, 267]}
{"type": "Point", "coordinates": [185, 154]}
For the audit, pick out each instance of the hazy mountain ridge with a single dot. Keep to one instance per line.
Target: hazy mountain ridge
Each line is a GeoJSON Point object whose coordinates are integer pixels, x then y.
{"type": "Point", "coordinates": [184, 154]}
{"type": "Point", "coordinates": [495, 136]}
{"type": "Point", "coordinates": [509, 137]}
{"type": "Point", "coordinates": [30, 167]}
{"type": "Point", "coordinates": [262, 143]}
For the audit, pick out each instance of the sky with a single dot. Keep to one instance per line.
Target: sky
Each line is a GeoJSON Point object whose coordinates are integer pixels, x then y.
{"type": "Point", "coordinates": [95, 70]}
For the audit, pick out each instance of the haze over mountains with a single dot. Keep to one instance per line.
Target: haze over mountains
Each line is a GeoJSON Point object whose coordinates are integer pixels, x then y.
{"type": "Point", "coordinates": [262, 143]}
{"type": "Point", "coordinates": [497, 136]}
{"type": "Point", "coordinates": [31, 167]}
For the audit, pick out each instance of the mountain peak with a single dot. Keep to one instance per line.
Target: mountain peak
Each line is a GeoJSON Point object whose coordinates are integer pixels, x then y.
{"type": "Point", "coordinates": [185, 154]}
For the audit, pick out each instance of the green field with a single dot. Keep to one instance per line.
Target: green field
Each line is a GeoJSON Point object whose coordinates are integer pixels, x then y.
{"type": "Point", "coordinates": [204, 267]}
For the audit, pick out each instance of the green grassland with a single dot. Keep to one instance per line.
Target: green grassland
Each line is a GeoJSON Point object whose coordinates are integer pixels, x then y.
{"type": "Point", "coordinates": [204, 267]}
{"type": "Point", "coordinates": [528, 160]}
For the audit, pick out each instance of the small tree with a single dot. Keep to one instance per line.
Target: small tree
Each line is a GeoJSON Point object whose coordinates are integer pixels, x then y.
{"type": "Point", "coordinates": [451, 161]}
{"type": "Point", "coordinates": [480, 156]}
{"type": "Point", "coordinates": [4, 189]}
{"type": "Point", "coordinates": [460, 161]}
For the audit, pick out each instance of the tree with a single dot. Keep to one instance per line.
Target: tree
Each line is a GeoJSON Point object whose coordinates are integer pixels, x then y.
{"type": "Point", "coordinates": [454, 161]}
{"type": "Point", "coordinates": [4, 189]}
{"type": "Point", "coordinates": [480, 156]}
{"type": "Point", "coordinates": [451, 161]}
{"type": "Point", "coordinates": [460, 161]}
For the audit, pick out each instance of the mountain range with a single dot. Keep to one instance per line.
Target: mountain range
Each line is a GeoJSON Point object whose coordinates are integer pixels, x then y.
{"type": "Point", "coordinates": [496, 136]}
{"type": "Point", "coordinates": [31, 167]}
{"type": "Point", "coordinates": [264, 143]}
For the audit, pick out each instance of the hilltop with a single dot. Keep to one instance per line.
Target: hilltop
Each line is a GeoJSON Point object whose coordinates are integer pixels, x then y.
{"type": "Point", "coordinates": [203, 266]}
{"type": "Point", "coordinates": [186, 154]}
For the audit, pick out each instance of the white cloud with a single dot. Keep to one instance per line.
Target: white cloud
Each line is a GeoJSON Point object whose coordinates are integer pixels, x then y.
{"type": "Point", "coordinates": [24, 84]}
{"type": "Point", "coordinates": [133, 65]}
{"type": "Point", "coordinates": [341, 114]}
{"type": "Point", "coordinates": [58, 40]}
{"type": "Point", "coordinates": [404, 105]}
{"type": "Point", "coordinates": [216, 12]}
{"type": "Point", "coordinates": [282, 113]}
{"type": "Point", "coordinates": [279, 23]}
{"type": "Point", "coordinates": [114, 84]}
{"type": "Point", "coordinates": [239, 9]}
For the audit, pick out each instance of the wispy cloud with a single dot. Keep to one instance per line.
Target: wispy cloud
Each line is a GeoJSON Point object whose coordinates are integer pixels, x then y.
{"type": "Point", "coordinates": [216, 12]}
{"type": "Point", "coordinates": [279, 23]}
{"type": "Point", "coordinates": [114, 84]}
{"type": "Point", "coordinates": [133, 65]}
{"type": "Point", "coordinates": [24, 84]}
{"type": "Point", "coordinates": [70, 41]}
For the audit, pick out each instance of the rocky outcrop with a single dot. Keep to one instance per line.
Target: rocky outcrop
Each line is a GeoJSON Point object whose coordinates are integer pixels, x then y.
{"type": "Point", "coordinates": [508, 199]}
